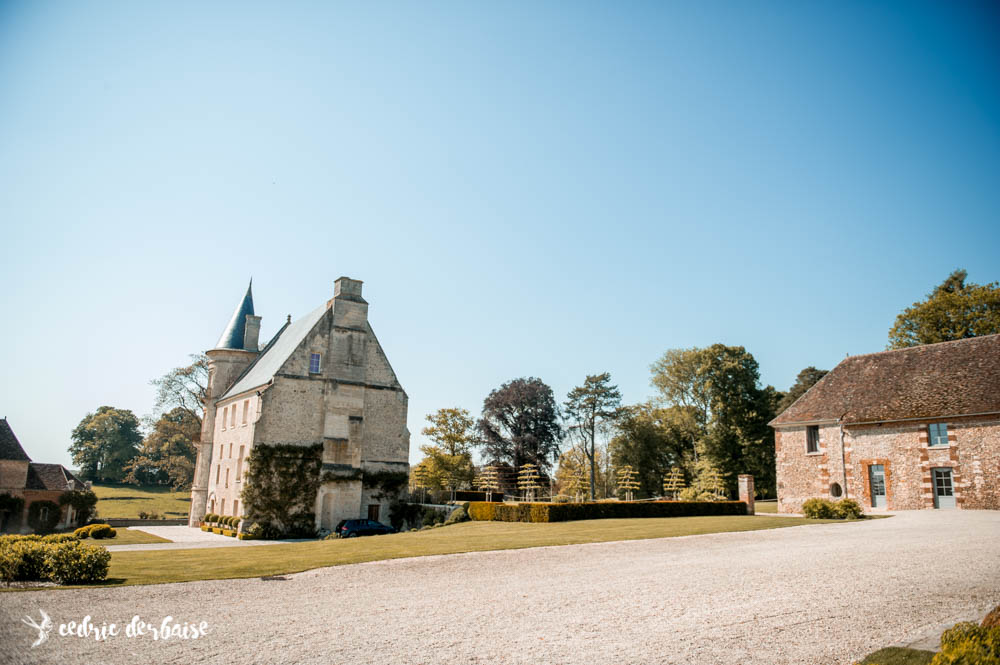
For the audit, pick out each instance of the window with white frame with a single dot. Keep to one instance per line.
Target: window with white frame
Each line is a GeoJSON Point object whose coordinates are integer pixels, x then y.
{"type": "Point", "coordinates": [937, 434]}
{"type": "Point", "coordinates": [812, 439]}
{"type": "Point", "coordinates": [314, 359]}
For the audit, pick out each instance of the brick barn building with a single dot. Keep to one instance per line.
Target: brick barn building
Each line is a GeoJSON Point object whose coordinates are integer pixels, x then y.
{"type": "Point", "coordinates": [907, 429]}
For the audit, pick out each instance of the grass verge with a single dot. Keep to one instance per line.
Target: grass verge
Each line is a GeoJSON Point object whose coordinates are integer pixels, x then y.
{"type": "Point", "coordinates": [126, 501]}
{"type": "Point", "coordinates": [899, 656]}
{"type": "Point", "coordinates": [129, 537]}
{"type": "Point", "coordinates": [766, 507]}
{"type": "Point", "coordinates": [162, 566]}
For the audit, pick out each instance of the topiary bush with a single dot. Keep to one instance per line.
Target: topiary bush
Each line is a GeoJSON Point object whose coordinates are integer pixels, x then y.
{"type": "Point", "coordinates": [101, 531]}
{"type": "Point", "coordinates": [82, 533]}
{"type": "Point", "coordinates": [460, 514]}
{"type": "Point", "coordinates": [76, 563]}
{"type": "Point", "coordinates": [848, 509]}
{"type": "Point", "coordinates": [824, 509]}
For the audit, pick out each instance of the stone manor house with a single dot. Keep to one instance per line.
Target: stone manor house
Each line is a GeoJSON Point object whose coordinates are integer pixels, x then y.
{"type": "Point", "coordinates": [908, 429]}
{"type": "Point", "coordinates": [322, 379]}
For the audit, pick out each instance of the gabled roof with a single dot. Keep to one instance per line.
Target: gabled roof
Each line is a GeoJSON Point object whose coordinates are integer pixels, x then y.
{"type": "Point", "coordinates": [930, 381]}
{"type": "Point", "coordinates": [10, 447]}
{"type": "Point", "coordinates": [48, 477]}
{"type": "Point", "coordinates": [232, 336]}
{"type": "Point", "coordinates": [267, 364]}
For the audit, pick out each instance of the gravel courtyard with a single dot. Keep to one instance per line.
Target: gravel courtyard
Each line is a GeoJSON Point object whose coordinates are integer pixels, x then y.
{"type": "Point", "coordinates": [822, 594]}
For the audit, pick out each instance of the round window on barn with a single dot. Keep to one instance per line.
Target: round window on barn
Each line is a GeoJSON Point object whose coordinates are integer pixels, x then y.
{"type": "Point", "coordinates": [835, 490]}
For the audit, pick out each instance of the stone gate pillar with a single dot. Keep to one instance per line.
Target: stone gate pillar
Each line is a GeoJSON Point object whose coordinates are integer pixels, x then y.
{"type": "Point", "coordinates": [746, 491]}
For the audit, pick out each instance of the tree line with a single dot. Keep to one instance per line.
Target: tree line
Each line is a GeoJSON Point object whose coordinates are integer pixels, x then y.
{"type": "Point", "coordinates": [708, 416]}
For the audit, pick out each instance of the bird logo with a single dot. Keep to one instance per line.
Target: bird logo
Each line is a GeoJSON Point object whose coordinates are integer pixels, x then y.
{"type": "Point", "coordinates": [43, 628]}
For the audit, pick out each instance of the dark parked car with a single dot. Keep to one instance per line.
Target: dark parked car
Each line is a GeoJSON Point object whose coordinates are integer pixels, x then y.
{"type": "Point", "coordinates": [354, 528]}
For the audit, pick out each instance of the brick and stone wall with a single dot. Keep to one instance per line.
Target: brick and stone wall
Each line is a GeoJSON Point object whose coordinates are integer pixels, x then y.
{"type": "Point", "coordinates": [973, 454]}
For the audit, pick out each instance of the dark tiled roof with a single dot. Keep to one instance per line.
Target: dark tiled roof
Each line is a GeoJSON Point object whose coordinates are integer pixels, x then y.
{"type": "Point", "coordinates": [47, 477]}
{"type": "Point", "coordinates": [232, 336]}
{"type": "Point", "coordinates": [931, 381]}
{"type": "Point", "coordinates": [10, 447]}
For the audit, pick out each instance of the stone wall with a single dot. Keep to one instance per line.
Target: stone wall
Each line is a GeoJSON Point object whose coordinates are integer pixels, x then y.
{"type": "Point", "coordinates": [973, 454]}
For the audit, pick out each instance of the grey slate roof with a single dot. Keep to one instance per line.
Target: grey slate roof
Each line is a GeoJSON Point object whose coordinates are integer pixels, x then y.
{"type": "Point", "coordinates": [10, 447]}
{"type": "Point", "coordinates": [267, 364]}
{"type": "Point", "coordinates": [930, 381]}
{"type": "Point", "coordinates": [232, 336]}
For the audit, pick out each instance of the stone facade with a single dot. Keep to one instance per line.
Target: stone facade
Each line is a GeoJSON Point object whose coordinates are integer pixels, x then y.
{"type": "Point", "coordinates": [322, 380]}
{"type": "Point", "coordinates": [862, 420]}
{"type": "Point", "coordinates": [972, 453]}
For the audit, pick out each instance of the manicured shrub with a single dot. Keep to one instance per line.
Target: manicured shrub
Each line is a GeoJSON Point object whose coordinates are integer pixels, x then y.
{"type": "Point", "coordinates": [23, 560]}
{"type": "Point", "coordinates": [969, 644]}
{"type": "Point", "coordinates": [824, 509]}
{"type": "Point", "coordinates": [101, 531]}
{"type": "Point", "coordinates": [482, 511]}
{"type": "Point", "coordinates": [848, 509]}
{"type": "Point", "coordinates": [76, 563]}
{"type": "Point", "coordinates": [819, 509]}
{"type": "Point", "coordinates": [83, 532]}
{"type": "Point", "coordinates": [460, 514]}
{"type": "Point", "coordinates": [59, 538]}
{"type": "Point", "coordinates": [562, 512]}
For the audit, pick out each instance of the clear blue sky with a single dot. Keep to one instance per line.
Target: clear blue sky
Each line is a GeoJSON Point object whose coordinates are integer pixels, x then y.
{"type": "Point", "coordinates": [547, 189]}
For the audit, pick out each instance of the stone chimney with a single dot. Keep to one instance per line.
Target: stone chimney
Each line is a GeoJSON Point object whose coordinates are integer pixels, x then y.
{"type": "Point", "coordinates": [350, 310]}
{"type": "Point", "coordinates": [251, 333]}
{"type": "Point", "coordinates": [348, 289]}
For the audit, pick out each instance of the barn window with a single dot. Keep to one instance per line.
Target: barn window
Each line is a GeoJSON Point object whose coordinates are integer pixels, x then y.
{"type": "Point", "coordinates": [937, 434]}
{"type": "Point", "coordinates": [812, 439]}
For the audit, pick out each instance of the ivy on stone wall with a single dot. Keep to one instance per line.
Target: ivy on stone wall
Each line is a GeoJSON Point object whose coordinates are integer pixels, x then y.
{"type": "Point", "coordinates": [11, 509]}
{"type": "Point", "coordinates": [43, 516]}
{"type": "Point", "coordinates": [280, 488]}
{"type": "Point", "coordinates": [388, 483]}
{"type": "Point", "coordinates": [83, 502]}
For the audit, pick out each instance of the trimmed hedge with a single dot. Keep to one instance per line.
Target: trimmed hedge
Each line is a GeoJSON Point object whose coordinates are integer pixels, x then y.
{"type": "Point", "coordinates": [564, 512]}
{"type": "Point", "coordinates": [65, 560]}
{"type": "Point", "coordinates": [824, 509]}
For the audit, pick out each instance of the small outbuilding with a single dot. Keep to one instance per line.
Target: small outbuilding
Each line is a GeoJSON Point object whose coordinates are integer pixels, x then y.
{"type": "Point", "coordinates": [30, 491]}
{"type": "Point", "coordinates": [906, 429]}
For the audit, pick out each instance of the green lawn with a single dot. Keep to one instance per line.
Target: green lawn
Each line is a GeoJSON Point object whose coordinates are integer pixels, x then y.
{"type": "Point", "coordinates": [767, 507]}
{"type": "Point", "coordinates": [899, 656]}
{"type": "Point", "coordinates": [127, 500]}
{"type": "Point", "coordinates": [129, 537]}
{"type": "Point", "coordinates": [159, 566]}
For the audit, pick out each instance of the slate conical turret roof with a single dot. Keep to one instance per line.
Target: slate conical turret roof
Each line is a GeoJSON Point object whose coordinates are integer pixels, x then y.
{"type": "Point", "coordinates": [232, 337]}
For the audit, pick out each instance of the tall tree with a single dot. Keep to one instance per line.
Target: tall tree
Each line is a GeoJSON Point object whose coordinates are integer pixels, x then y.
{"type": "Point", "coordinates": [104, 442]}
{"type": "Point", "coordinates": [184, 387]}
{"type": "Point", "coordinates": [168, 453]}
{"type": "Point", "coordinates": [589, 409]}
{"type": "Point", "coordinates": [953, 310]}
{"type": "Point", "coordinates": [720, 386]}
{"type": "Point", "coordinates": [449, 462]}
{"type": "Point", "coordinates": [806, 379]}
{"type": "Point", "coordinates": [520, 424]}
{"type": "Point", "coordinates": [653, 441]}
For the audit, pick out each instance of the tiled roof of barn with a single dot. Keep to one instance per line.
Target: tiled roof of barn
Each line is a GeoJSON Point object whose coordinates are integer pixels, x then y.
{"type": "Point", "coordinates": [10, 447]}
{"type": "Point", "coordinates": [930, 381]}
{"type": "Point", "coordinates": [47, 477]}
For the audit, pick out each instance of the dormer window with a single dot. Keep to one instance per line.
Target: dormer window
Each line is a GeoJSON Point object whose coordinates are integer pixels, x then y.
{"type": "Point", "coordinates": [314, 359]}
